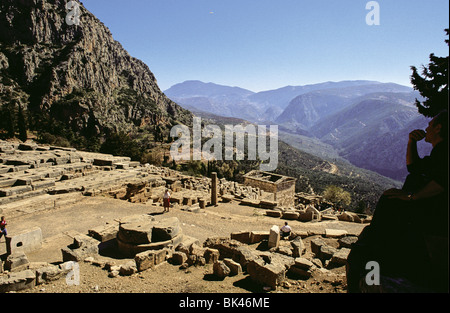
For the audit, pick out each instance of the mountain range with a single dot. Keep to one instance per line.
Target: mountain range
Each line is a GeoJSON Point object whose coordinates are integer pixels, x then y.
{"type": "Point", "coordinates": [364, 122]}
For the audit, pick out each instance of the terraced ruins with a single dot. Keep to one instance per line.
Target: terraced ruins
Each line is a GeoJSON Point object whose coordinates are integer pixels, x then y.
{"type": "Point", "coordinates": [104, 213]}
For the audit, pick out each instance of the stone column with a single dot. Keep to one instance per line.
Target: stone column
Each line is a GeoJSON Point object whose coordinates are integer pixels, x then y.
{"type": "Point", "coordinates": [214, 188]}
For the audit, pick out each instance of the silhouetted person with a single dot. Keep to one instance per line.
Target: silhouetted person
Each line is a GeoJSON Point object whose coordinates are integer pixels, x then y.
{"type": "Point", "coordinates": [409, 229]}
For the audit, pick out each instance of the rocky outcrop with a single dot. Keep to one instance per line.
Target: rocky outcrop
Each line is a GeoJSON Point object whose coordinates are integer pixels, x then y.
{"type": "Point", "coordinates": [76, 74]}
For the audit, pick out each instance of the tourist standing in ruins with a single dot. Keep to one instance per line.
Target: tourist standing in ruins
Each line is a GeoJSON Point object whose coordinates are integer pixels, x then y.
{"type": "Point", "coordinates": [3, 227]}
{"type": "Point", "coordinates": [166, 201]}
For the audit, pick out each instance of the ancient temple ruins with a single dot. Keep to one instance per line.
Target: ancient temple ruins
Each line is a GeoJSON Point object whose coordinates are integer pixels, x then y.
{"type": "Point", "coordinates": [282, 187]}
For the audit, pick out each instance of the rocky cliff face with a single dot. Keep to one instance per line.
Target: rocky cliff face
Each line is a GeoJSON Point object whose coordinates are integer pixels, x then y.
{"type": "Point", "coordinates": [76, 74]}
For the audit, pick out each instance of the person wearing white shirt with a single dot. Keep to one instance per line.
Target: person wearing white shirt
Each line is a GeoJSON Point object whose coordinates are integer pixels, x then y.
{"type": "Point", "coordinates": [166, 200]}
{"type": "Point", "coordinates": [285, 231]}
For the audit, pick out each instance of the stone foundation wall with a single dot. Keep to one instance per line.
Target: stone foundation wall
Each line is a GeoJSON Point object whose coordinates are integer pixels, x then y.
{"type": "Point", "coordinates": [283, 188]}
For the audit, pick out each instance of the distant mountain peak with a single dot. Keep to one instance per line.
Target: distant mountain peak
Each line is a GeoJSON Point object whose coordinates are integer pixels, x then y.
{"type": "Point", "coordinates": [197, 88]}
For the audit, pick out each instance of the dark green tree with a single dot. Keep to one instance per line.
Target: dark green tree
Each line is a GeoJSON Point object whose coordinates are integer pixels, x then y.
{"type": "Point", "coordinates": [432, 85]}
{"type": "Point", "coordinates": [338, 196]}
{"type": "Point", "coordinates": [120, 144]}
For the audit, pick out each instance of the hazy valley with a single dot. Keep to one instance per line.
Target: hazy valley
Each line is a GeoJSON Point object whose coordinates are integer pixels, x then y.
{"type": "Point", "coordinates": [364, 122]}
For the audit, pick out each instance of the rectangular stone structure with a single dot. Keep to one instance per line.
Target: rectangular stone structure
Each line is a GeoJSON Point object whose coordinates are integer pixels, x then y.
{"type": "Point", "coordinates": [24, 242]}
{"type": "Point", "coordinates": [282, 187]}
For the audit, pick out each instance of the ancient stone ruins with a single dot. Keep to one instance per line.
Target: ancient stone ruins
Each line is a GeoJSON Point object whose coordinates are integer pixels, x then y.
{"type": "Point", "coordinates": [49, 177]}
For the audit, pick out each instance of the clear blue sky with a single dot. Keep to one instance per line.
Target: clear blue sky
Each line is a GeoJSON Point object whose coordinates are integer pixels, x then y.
{"type": "Point", "coordinates": [268, 44]}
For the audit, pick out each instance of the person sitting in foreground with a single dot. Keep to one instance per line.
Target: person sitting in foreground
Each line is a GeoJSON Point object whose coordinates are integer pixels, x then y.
{"type": "Point", "coordinates": [410, 223]}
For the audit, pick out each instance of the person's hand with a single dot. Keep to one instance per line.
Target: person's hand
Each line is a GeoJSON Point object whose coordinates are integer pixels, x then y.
{"type": "Point", "coordinates": [396, 194]}
{"type": "Point", "coordinates": [417, 135]}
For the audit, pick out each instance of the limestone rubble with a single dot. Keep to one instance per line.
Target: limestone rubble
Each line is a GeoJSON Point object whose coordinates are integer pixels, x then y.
{"type": "Point", "coordinates": [36, 177]}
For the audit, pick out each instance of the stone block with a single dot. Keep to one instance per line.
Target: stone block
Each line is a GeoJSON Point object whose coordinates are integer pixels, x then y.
{"type": "Point", "coordinates": [268, 204]}
{"type": "Point", "coordinates": [316, 213]}
{"type": "Point", "coordinates": [243, 255]}
{"type": "Point", "coordinates": [179, 258]}
{"type": "Point", "coordinates": [274, 213]}
{"type": "Point", "coordinates": [340, 257]}
{"type": "Point", "coordinates": [17, 281]}
{"type": "Point", "coordinates": [7, 182]}
{"type": "Point", "coordinates": [305, 216]}
{"type": "Point", "coordinates": [7, 192]}
{"type": "Point", "coordinates": [43, 184]}
{"type": "Point", "coordinates": [250, 202]}
{"type": "Point", "coordinates": [134, 163]}
{"type": "Point", "coordinates": [258, 236]}
{"type": "Point", "coordinates": [235, 267]}
{"type": "Point", "coordinates": [290, 215]}
{"type": "Point", "coordinates": [144, 260]}
{"type": "Point", "coordinates": [226, 246]}
{"type": "Point", "coordinates": [274, 237]}
{"type": "Point", "coordinates": [349, 217]}
{"type": "Point", "coordinates": [103, 162]}
{"type": "Point", "coordinates": [329, 217]}
{"type": "Point", "coordinates": [24, 242]}
{"type": "Point", "coordinates": [316, 244]}
{"type": "Point", "coordinates": [195, 249]}
{"type": "Point", "coordinates": [335, 233]}
{"type": "Point", "coordinates": [243, 237]}
{"type": "Point", "coordinates": [138, 232]}
{"type": "Point", "coordinates": [27, 147]}
{"type": "Point", "coordinates": [316, 232]}
{"type": "Point", "coordinates": [227, 198]}
{"type": "Point", "coordinates": [326, 252]}
{"type": "Point", "coordinates": [166, 229]}
{"type": "Point", "coordinates": [128, 268]}
{"type": "Point", "coordinates": [211, 255]}
{"type": "Point", "coordinates": [16, 262]}
{"type": "Point", "coordinates": [48, 273]}
{"type": "Point", "coordinates": [82, 247]}
{"type": "Point", "coordinates": [302, 273]}
{"type": "Point", "coordinates": [303, 263]}
{"type": "Point", "coordinates": [221, 270]}
{"type": "Point", "coordinates": [104, 233]}
{"type": "Point", "coordinates": [347, 241]}
{"type": "Point", "coordinates": [186, 243]}
{"type": "Point", "coordinates": [284, 250]}
{"type": "Point", "coordinates": [187, 200]}
{"type": "Point", "coordinates": [298, 247]}
{"type": "Point", "coordinates": [160, 256]}
{"type": "Point", "coordinates": [266, 274]}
